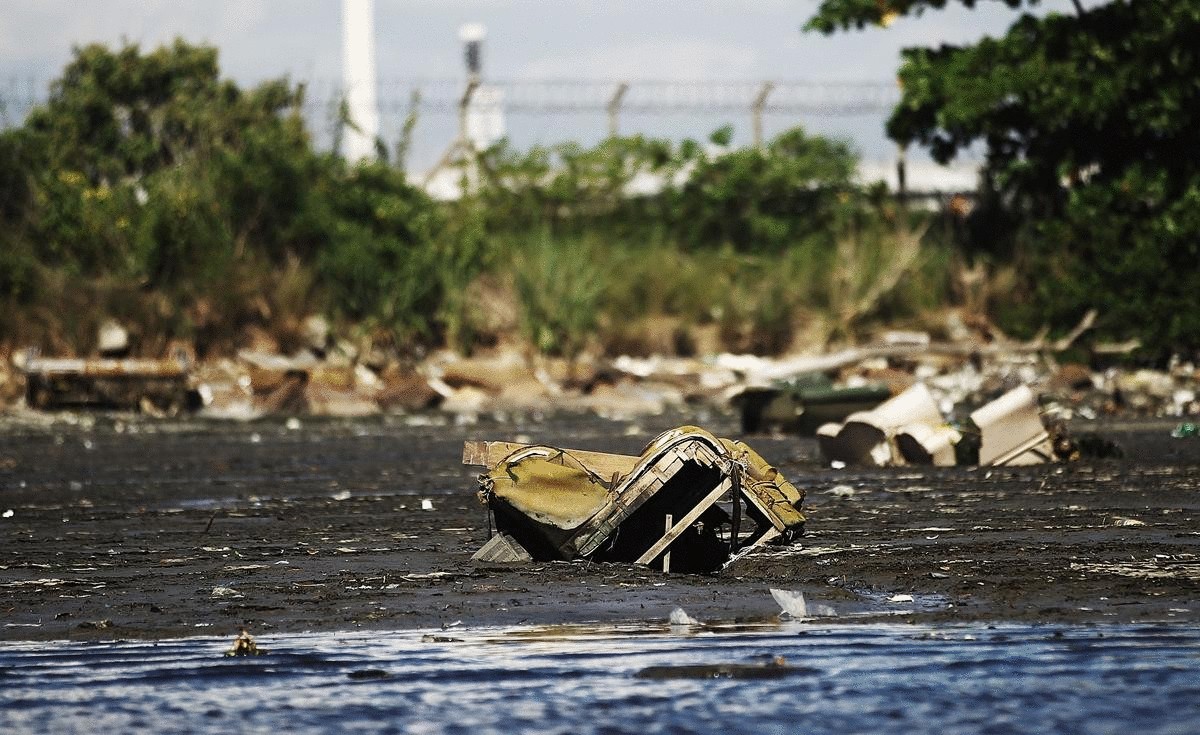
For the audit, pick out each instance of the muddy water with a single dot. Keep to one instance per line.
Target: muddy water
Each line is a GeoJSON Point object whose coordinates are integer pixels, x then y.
{"type": "Point", "coordinates": [853, 679]}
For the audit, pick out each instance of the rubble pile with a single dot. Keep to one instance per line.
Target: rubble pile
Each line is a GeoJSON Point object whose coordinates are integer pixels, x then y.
{"type": "Point", "coordinates": [799, 393]}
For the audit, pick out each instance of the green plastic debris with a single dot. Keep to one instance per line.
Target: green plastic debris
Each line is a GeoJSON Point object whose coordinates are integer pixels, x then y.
{"type": "Point", "coordinates": [1186, 430]}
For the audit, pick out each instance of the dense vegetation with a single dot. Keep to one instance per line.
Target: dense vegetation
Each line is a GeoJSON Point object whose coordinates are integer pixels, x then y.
{"type": "Point", "coordinates": [151, 190]}
{"type": "Point", "coordinates": [1091, 122]}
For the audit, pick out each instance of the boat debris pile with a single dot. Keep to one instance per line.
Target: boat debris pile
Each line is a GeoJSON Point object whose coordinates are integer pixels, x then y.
{"type": "Point", "coordinates": [329, 375]}
{"type": "Point", "coordinates": [688, 503]}
{"type": "Point", "coordinates": [909, 429]}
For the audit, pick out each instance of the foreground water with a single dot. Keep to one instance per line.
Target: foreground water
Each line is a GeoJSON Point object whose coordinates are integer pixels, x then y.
{"type": "Point", "coordinates": [837, 678]}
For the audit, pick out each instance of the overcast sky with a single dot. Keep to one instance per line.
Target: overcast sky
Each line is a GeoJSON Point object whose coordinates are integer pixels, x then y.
{"type": "Point", "coordinates": [600, 39]}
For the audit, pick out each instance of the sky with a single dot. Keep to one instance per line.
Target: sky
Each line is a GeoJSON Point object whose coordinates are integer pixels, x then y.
{"type": "Point", "coordinates": [604, 40]}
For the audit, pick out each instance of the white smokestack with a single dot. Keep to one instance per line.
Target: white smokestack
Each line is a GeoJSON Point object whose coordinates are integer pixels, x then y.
{"type": "Point", "coordinates": [358, 78]}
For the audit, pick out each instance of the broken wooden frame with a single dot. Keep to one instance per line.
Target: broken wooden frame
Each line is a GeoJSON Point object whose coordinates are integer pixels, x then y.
{"type": "Point", "coordinates": [553, 503]}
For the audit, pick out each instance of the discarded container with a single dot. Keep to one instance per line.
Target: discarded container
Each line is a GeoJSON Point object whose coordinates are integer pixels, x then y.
{"type": "Point", "coordinates": [873, 437]}
{"type": "Point", "coordinates": [909, 429]}
{"type": "Point", "coordinates": [552, 503]}
{"type": "Point", "coordinates": [1011, 430]}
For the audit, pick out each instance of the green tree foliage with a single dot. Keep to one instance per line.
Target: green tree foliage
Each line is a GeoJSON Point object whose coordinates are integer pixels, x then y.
{"type": "Point", "coordinates": [151, 168]}
{"type": "Point", "coordinates": [380, 263]}
{"type": "Point", "coordinates": [1090, 122]}
{"type": "Point", "coordinates": [751, 199]}
{"type": "Point", "coordinates": [151, 189]}
{"type": "Point", "coordinates": [770, 198]}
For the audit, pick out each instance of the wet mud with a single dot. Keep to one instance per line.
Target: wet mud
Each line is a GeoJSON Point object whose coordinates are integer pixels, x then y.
{"type": "Point", "coordinates": [117, 527]}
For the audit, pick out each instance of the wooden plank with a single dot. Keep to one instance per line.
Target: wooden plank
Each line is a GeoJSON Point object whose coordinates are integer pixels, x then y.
{"type": "Point", "coordinates": [684, 522]}
{"type": "Point", "coordinates": [491, 453]}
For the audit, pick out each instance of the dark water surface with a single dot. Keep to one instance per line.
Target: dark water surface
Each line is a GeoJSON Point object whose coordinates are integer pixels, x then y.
{"type": "Point", "coordinates": [872, 678]}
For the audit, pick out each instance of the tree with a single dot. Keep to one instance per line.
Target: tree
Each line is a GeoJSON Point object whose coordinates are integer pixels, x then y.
{"type": "Point", "coordinates": [1091, 122]}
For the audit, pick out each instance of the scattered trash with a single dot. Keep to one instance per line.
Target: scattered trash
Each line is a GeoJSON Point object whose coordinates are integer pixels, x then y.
{"type": "Point", "coordinates": [679, 617]}
{"type": "Point", "coordinates": [687, 503]}
{"type": "Point", "coordinates": [293, 424]}
{"type": "Point", "coordinates": [1186, 430]}
{"type": "Point", "coordinates": [905, 429]}
{"type": "Point", "coordinates": [227, 592]}
{"type": "Point", "coordinates": [792, 603]}
{"type": "Point", "coordinates": [900, 598]}
{"type": "Point", "coordinates": [1011, 430]}
{"type": "Point", "coordinates": [341, 495]}
{"type": "Point", "coordinates": [426, 504]}
{"type": "Point", "coordinates": [910, 429]}
{"type": "Point", "coordinates": [244, 645]}
{"type": "Point", "coordinates": [9, 513]}
{"type": "Point", "coordinates": [1126, 522]}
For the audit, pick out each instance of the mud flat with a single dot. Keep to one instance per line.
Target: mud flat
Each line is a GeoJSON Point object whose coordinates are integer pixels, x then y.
{"type": "Point", "coordinates": [120, 527]}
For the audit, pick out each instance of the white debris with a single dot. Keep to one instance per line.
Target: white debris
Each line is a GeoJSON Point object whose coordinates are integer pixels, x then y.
{"type": "Point", "coordinates": [293, 424]}
{"type": "Point", "coordinates": [679, 617]}
{"type": "Point", "coordinates": [792, 603]}
{"type": "Point", "coordinates": [1124, 522]}
{"type": "Point", "coordinates": [9, 513]}
{"type": "Point", "coordinates": [426, 504]}
{"type": "Point", "coordinates": [900, 598]}
{"type": "Point", "coordinates": [842, 491]}
{"type": "Point", "coordinates": [1011, 430]}
{"type": "Point", "coordinates": [343, 495]}
{"type": "Point", "coordinates": [227, 592]}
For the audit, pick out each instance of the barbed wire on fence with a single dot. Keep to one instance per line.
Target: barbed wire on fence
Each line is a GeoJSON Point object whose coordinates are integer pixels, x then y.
{"type": "Point", "coordinates": [18, 95]}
